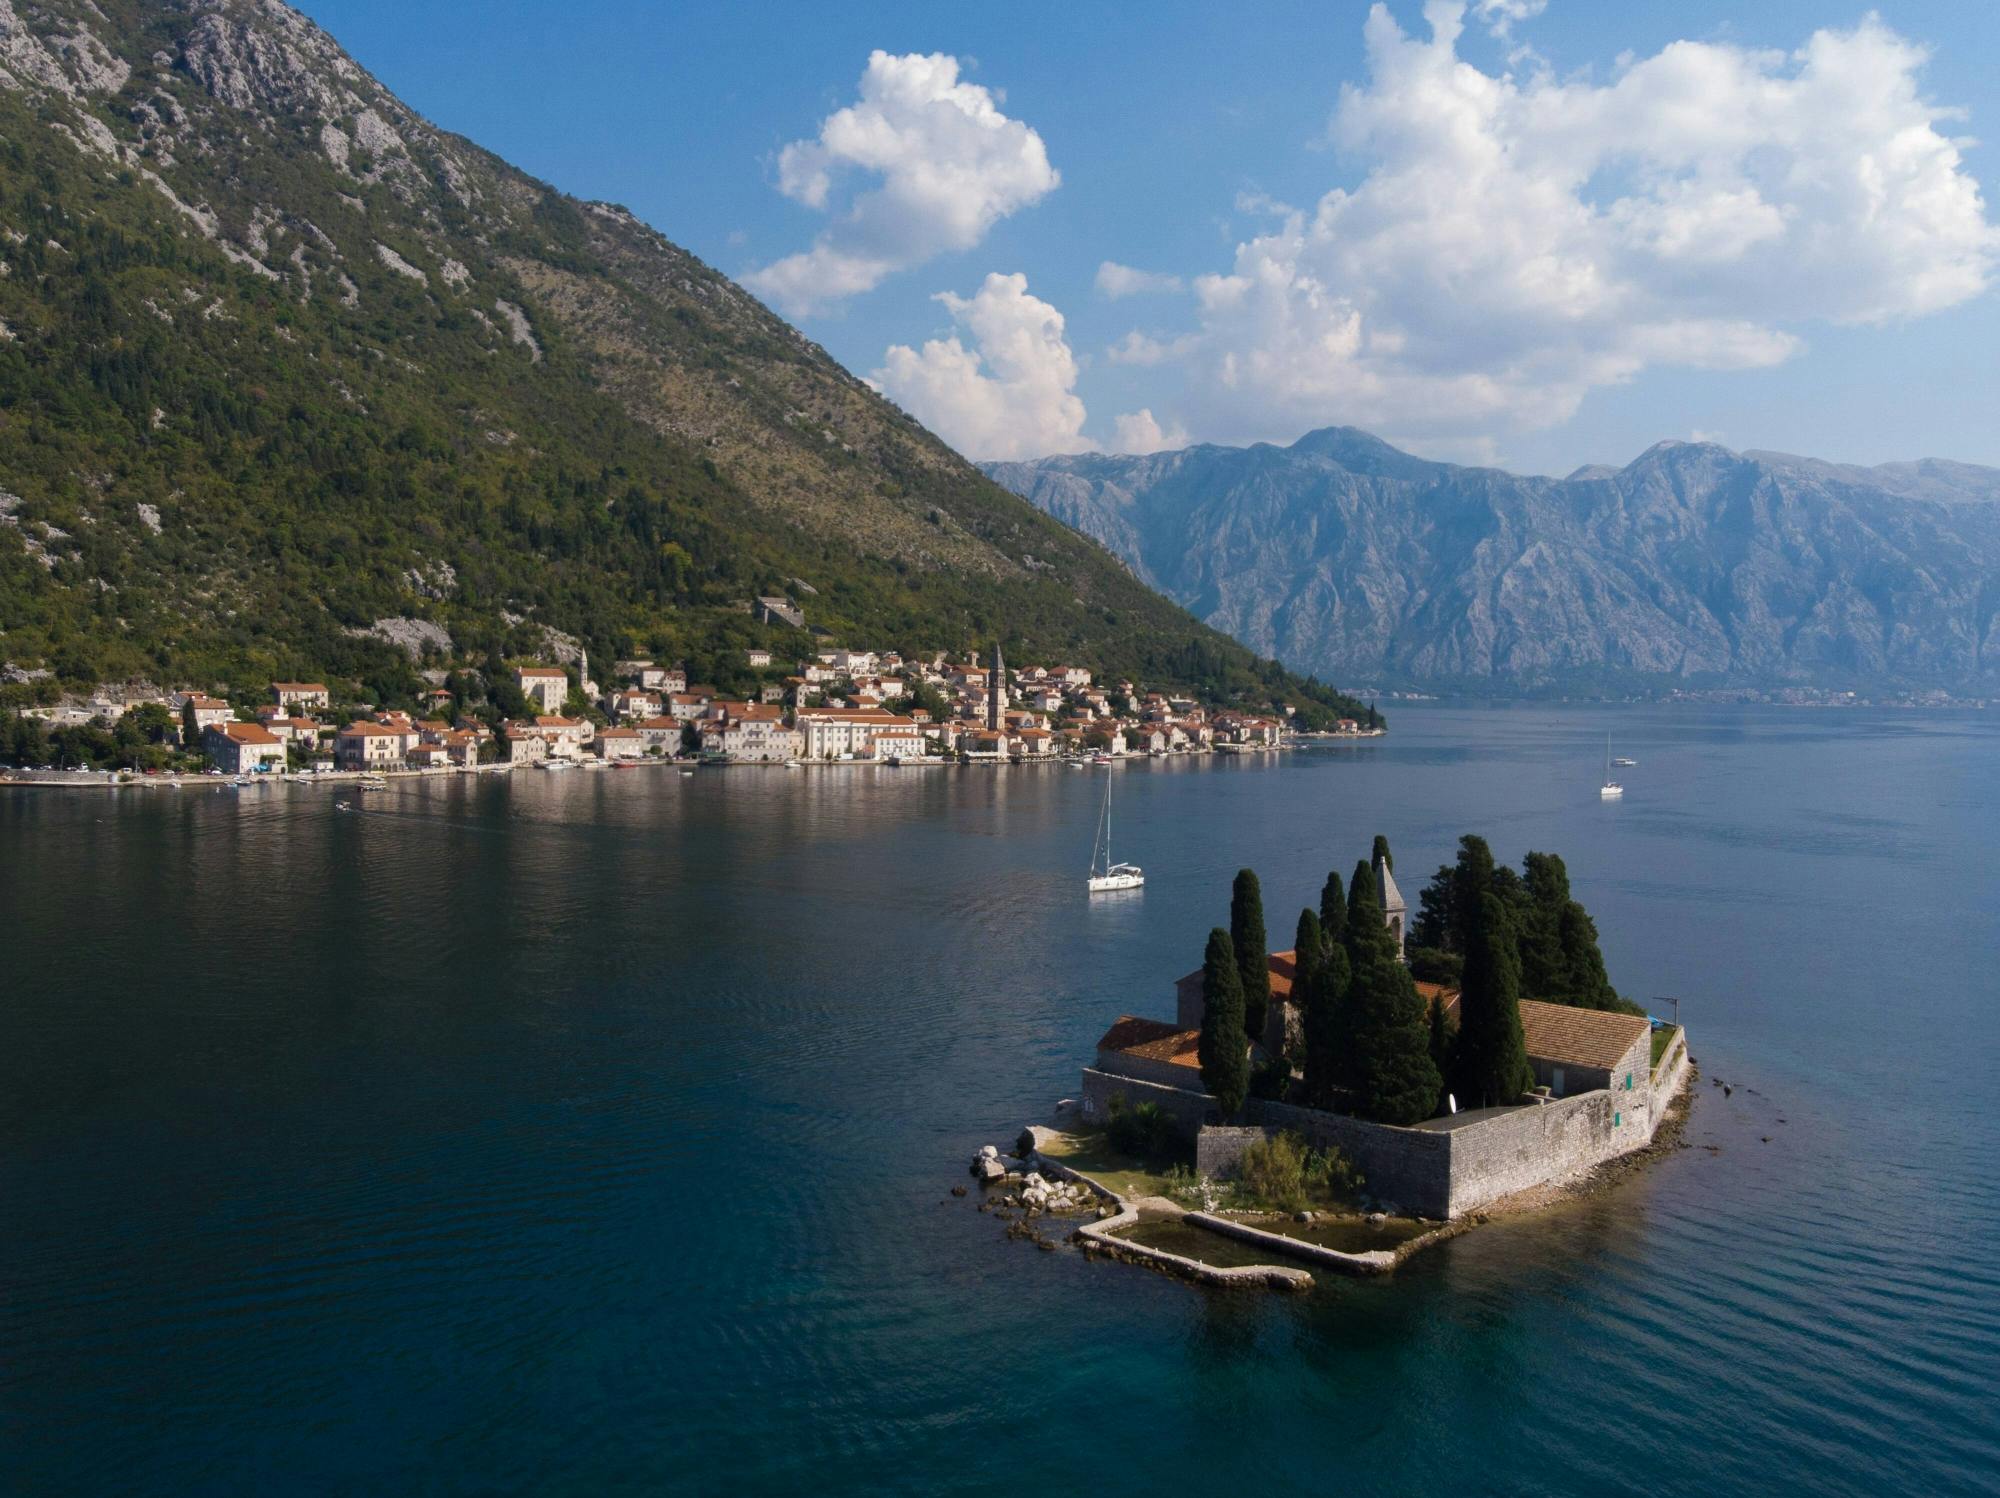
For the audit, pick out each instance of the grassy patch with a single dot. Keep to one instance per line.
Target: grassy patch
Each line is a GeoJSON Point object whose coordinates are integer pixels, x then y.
{"type": "Point", "coordinates": [1091, 1151]}
{"type": "Point", "coordinates": [1662, 1038]}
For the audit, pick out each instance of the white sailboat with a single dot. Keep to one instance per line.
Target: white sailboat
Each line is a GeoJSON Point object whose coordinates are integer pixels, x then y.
{"type": "Point", "coordinates": [1611, 790]}
{"type": "Point", "coordinates": [1114, 875]}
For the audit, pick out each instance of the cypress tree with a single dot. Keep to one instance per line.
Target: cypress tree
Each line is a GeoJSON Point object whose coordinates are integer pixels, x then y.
{"type": "Point", "coordinates": [1332, 907]}
{"type": "Point", "coordinates": [1253, 952]}
{"type": "Point", "coordinates": [1364, 913]}
{"type": "Point", "coordinates": [1380, 853]}
{"type": "Point", "coordinates": [1492, 1057]}
{"type": "Point", "coordinates": [1539, 926]}
{"type": "Point", "coordinates": [1442, 1047]}
{"type": "Point", "coordinates": [1394, 1080]}
{"type": "Point", "coordinates": [1324, 1013]}
{"type": "Point", "coordinates": [1308, 950]}
{"type": "Point", "coordinates": [1223, 1047]}
{"type": "Point", "coordinates": [1585, 983]}
{"type": "Point", "coordinates": [190, 728]}
{"type": "Point", "coordinates": [1471, 879]}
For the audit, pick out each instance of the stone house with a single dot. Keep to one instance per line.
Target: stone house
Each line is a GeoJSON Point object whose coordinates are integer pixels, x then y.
{"type": "Point", "coordinates": [243, 748]}
{"type": "Point", "coordinates": [362, 745]}
{"type": "Point", "coordinates": [525, 746]}
{"type": "Point", "coordinates": [836, 733]}
{"type": "Point", "coordinates": [300, 693]}
{"type": "Point", "coordinates": [208, 711]}
{"type": "Point", "coordinates": [566, 736]}
{"type": "Point", "coordinates": [545, 686]}
{"type": "Point", "coordinates": [1587, 1050]}
{"type": "Point", "coordinates": [635, 704]}
{"type": "Point", "coordinates": [662, 734]}
{"type": "Point", "coordinates": [614, 744]}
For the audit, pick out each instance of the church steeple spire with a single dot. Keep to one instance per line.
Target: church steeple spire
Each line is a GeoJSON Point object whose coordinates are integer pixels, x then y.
{"type": "Point", "coordinates": [996, 689]}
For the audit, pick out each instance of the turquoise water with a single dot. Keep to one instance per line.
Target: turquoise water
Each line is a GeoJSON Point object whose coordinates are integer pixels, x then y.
{"type": "Point", "coordinates": [593, 1133]}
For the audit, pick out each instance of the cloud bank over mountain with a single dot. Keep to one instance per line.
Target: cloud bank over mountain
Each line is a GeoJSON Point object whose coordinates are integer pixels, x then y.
{"type": "Point", "coordinates": [1519, 239]}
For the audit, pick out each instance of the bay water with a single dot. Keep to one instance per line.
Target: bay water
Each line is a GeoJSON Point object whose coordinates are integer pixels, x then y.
{"type": "Point", "coordinates": [594, 1133]}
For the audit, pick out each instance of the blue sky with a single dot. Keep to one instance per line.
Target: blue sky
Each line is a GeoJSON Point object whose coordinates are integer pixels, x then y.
{"type": "Point", "coordinates": [1563, 235]}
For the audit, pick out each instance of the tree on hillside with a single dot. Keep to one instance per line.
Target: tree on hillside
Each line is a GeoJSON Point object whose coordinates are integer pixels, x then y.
{"type": "Point", "coordinates": [1332, 907]}
{"type": "Point", "coordinates": [1380, 853]}
{"type": "Point", "coordinates": [1223, 1048]}
{"type": "Point", "coordinates": [1253, 951]}
{"type": "Point", "coordinates": [1492, 1058]}
{"type": "Point", "coordinates": [190, 726]}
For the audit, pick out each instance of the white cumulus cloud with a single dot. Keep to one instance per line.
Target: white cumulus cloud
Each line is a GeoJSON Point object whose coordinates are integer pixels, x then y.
{"type": "Point", "coordinates": [1517, 241]}
{"type": "Point", "coordinates": [1499, 16]}
{"type": "Point", "coordinates": [1115, 281]}
{"type": "Point", "coordinates": [1011, 394]}
{"type": "Point", "coordinates": [1139, 432]}
{"type": "Point", "coordinates": [947, 165]}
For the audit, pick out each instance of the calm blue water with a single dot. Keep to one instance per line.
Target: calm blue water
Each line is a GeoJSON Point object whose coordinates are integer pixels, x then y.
{"type": "Point", "coordinates": [592, 1134]}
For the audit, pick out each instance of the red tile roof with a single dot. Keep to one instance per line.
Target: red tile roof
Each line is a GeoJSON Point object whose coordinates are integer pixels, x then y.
{"type": "Point", "coordinates": [1153, 1039]}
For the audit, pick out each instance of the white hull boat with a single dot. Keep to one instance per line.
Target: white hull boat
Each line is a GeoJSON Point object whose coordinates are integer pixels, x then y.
{"type": "Point", "coordinates": [1105, 875]}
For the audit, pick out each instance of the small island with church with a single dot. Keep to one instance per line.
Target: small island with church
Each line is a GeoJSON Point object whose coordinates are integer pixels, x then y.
{"type": "Point", "coordinates": [1384, 1083]}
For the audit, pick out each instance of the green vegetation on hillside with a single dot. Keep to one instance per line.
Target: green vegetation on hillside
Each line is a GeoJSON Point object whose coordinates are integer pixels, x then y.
{"type": "Point", "coordinates": [228, 456]}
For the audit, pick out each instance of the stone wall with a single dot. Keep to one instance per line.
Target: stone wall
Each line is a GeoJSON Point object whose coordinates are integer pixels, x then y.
{"type": "Point", "coordinates": [1525, 1147]}
{"type": "Point", "coordinates": [1667, 1077]}
{"type": "Point", "coordinates": [1218, 1149]}
{"type": "Point", "coordinates": [1147, 1069]}
{"type": "Point", "coordinates": [1409, 1167]}
{"type": "Point", "coordinates": [1427, 1172]}
{"type": "Point", "coordinates": [1189, 1110]}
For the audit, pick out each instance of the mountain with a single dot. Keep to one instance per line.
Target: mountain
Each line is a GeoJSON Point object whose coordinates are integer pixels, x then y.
{"type": "Point", "coordinates": [293, 383]}
{"type": "Point", "coordinates": [1691, 566]}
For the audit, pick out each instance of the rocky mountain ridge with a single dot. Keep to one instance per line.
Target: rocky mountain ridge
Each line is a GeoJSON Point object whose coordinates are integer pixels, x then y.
{"type": "Point", "coordinates": [1691, 566]}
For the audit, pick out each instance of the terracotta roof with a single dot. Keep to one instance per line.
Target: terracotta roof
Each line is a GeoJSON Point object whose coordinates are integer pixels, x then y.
{"type": "Point", "coordinates": [1153, 1039]}
{"type": "Point", "coordinates": [1283, 970]}
{"type": "Point", "coordinates": [246, 733]}
{"type": "Point", "coordinates": [618, 733]}
{"type": "Point", "coordinates": [1569, 1036]}
{"type": "Point", "coordinates": [542, 671]}
{"type": "Point", "coordinates": [298, 686]}
{"type": "Point", "coordinates": [1434, 993]}
{"type": "Point", "coordinates": [359, 730]}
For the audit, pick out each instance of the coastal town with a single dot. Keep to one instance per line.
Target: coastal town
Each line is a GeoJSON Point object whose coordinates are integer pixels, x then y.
{"type": "Point", "coordinates": [838, 706]}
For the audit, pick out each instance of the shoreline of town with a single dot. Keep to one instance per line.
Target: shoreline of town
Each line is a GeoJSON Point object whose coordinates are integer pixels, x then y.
{"type": "Point", "coordinates": [838, 707]}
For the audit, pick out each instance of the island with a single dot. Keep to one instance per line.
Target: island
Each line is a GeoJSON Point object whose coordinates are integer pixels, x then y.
{"type": "Point", "coordinates": [1383, 1084]}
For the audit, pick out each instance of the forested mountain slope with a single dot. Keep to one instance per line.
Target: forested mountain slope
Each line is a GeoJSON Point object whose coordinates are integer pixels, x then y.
{"type": "Point", "coordinates": [288, 374]}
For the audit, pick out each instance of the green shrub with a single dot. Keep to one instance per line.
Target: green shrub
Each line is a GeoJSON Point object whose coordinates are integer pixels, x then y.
{"type": "Point", "coordinates": [1143, 1130]}
{"type": "Point", "coordinates": [1272, 1080]}
{"type": "Point", "coordinates": [1285, 1174]}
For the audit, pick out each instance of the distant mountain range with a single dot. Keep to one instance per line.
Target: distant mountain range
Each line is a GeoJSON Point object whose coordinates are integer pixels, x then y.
{"type": "Point", "coordinates": [293, 382]}
{"type": "Point", "coordinates": [1692, 566]}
